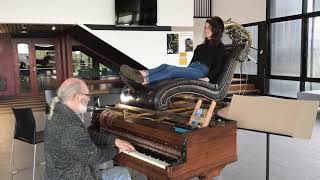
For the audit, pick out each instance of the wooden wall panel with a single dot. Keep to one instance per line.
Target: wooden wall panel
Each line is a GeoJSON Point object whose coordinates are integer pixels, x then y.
{"type": "Point", "coordinates": [7, 66]}
{"type": "Point", "coordinates": [65, 55]}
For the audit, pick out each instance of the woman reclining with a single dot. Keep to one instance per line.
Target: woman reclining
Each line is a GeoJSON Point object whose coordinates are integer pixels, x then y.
{"type": "Point", "coordinates": [206, 61]}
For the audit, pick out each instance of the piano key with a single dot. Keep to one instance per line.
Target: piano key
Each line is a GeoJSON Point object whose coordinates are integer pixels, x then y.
{"type": "Point", "coordinates": [155, 155]}
{"type": "Point", "coordinates": [148, 159]}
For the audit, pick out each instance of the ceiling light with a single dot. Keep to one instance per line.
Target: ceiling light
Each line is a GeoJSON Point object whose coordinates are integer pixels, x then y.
{"type": "Point", "coordinates": [53, 28]}
{"type": "Point", "coordinates": [44, 45]}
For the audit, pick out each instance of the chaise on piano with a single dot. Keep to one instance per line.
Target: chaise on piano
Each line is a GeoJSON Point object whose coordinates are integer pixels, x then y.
{"type": "Point", "coordinates": [158, 95]}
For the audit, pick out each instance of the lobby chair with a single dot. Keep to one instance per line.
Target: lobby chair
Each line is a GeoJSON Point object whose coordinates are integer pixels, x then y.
{"type": "Point", "coordinates": [25, 131]}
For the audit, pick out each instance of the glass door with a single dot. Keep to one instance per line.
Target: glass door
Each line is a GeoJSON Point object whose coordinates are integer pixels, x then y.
{"type": "Point", "coordinates": [25, 69]}
{"type": "Point", "coordinates": [37, 66]}
{"type": "Point", "coordinates": [46, 66]}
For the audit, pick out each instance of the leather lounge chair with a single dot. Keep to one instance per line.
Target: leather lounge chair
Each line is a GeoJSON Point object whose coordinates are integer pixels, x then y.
{"type": "Point", "coordinates": [158, 96]}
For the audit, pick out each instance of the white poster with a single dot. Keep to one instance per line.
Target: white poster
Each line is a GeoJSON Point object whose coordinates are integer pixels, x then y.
{"type": "Point", "coordinates": [186, 42]}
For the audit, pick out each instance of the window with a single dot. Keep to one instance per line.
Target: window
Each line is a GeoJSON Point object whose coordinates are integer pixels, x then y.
{"type": "Point", "coordinates": [285, 48]}
{"type": "Point", "coordinates": [312, 86]}
{"type": "Point", "coordinates": [280, 8]}
{"type": "Point", "coordinates": [313, 69]}
{"type": "Point", "coordinates": [313, 5]}
{"type": "Point", "coordinates": [284, 88]}
{"type": "Point", "coordinates": [80, 61]}
{"type": "Point", "coordinates": [86, 67]}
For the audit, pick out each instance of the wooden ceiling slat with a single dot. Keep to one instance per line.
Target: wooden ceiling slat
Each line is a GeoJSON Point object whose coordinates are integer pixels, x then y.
{"type": "Point", "coordinates": [12, 28]}
{"type": "Point", "coordinates": [7, 29]}
{"type": "Point", "coordinates": [16, 28]}
{"type": "Point", "coordinates": [3, 28]}
{"type": "Point", "coordinates": [19, 28]}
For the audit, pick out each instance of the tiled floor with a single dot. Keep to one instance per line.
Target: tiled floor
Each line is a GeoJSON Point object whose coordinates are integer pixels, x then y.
{"type": "Point", "coordinates": [290, 159]}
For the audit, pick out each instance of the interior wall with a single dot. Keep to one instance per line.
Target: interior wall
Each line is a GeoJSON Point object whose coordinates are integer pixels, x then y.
{"type": "Point", "coordinates": [243, 12]}
{"type": "Point", "coordinates": [197, 29]}
{"type": "Point", "coordinates": [175, 12]}
{"type": "Point", "coordinates": [149, 48]}
{"type": "Point", "coordinates": [150, 51]}
{"type": "Point", "coordinates": [170, 13]}
{"type": "Point", "coordinates": [7, 65]}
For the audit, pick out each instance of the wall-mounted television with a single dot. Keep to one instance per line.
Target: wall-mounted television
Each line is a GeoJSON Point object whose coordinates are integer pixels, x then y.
{"type": "Point", "coordinates": [136, 12]}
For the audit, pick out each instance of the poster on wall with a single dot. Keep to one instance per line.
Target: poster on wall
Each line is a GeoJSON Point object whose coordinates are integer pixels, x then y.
{"type": "Point", "coordinates": [172, 43]}
{"type": "Point", "coordinates": [186, 41]}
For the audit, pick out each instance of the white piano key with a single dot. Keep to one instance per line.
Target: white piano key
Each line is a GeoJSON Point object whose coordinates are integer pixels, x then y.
{"type": "Point", "coordinates": [148, 159]}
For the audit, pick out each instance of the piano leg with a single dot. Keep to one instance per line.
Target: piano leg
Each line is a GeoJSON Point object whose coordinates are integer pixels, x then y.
{"type": "Point", "coordinates": [209, 175]}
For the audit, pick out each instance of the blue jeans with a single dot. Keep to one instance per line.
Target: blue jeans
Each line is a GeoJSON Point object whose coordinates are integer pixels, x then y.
{"type": "Point", "coordinates": [165, 71]}
{"type": "Point", "coordinates": [116, 173]}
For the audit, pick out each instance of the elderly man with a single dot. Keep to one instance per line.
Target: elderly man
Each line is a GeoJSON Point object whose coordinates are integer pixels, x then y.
{"type": "Point", "coordinates": [69, 151]}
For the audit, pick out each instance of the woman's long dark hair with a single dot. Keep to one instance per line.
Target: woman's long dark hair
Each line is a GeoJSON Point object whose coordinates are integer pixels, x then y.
{"type": "Point", "coordinates": [217, 28]}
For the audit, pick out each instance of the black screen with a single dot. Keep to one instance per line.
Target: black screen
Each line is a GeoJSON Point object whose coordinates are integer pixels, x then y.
{"type": "Point", "coordinates": [136, 12]}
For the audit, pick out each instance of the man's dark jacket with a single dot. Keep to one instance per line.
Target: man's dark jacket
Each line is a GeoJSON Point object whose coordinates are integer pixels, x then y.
{"type": "Point", "coordinates": [70, 153]}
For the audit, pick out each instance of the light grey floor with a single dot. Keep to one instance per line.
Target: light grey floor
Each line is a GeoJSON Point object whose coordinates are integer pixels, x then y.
{"type": "Point", "coordinates": [23, 152]}
{"type": "Point", "coordinates": [290, 159]}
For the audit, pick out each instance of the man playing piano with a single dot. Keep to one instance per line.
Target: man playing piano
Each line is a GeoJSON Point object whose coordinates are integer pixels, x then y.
{"type": "Point", "coordinates": [69, 151]}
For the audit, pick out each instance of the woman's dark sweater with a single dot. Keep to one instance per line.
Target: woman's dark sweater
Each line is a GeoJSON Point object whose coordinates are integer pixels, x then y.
{"type": "Point", "coordinates": [210, 55]}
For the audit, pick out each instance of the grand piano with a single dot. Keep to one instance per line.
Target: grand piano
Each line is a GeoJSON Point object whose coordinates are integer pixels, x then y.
{"type": "Point", "coordinates": [165, 148]}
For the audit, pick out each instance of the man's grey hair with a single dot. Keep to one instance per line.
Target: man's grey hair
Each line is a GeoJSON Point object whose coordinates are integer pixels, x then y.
{"type": "Point", "coordinates": [66, 91]}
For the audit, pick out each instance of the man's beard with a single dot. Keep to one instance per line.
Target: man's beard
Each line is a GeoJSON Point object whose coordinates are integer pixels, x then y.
{"type": "Point", "coordinates": [83, 108]}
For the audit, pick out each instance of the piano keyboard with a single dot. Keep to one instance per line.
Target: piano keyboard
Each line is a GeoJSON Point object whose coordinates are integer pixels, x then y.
{"type": "Point", "coordinates": [149, 159]}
